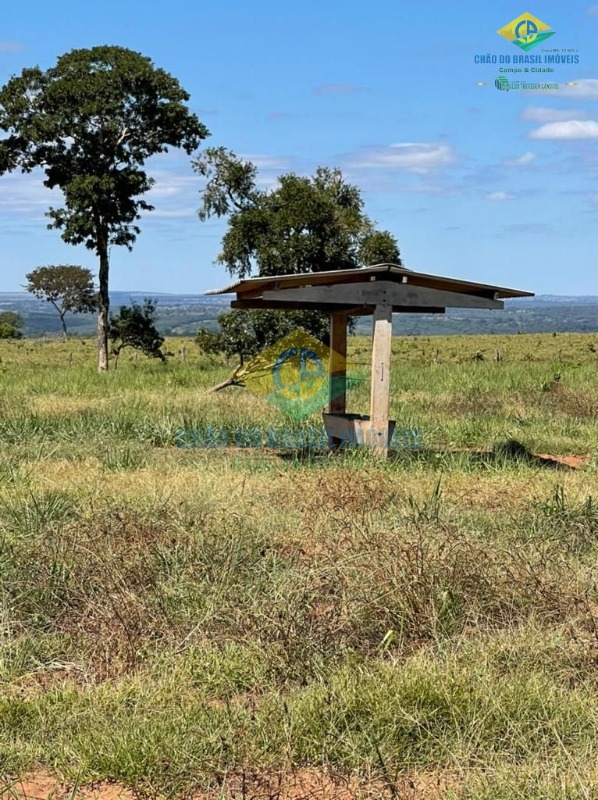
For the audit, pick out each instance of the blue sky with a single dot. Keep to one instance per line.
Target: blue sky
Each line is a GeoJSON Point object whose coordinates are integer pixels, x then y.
{"type": "Point", "coordinates": [474, 182]}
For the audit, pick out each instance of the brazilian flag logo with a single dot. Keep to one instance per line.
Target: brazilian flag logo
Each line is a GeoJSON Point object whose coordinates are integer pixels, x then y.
{"type": "Point", "coordinates": [526, 31]}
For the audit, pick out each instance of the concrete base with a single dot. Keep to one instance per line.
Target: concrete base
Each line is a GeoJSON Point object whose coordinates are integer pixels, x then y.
{"type": "Point", "coordinates": [357, 430]}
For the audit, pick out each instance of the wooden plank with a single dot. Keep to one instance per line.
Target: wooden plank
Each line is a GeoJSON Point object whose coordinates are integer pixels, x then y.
{"type": "Point", "coordinates": [337, 365]}
{"type": "Point", "coordinates": [352, 311]}
{"type": "Point", "coordinates": [381, 293]}
{"type": "Point", "coordinates": [358, 275]}
{"type": "Point", "coordinates": [337, 369]}
{"type": "Point", "coordinates": [380, 381]}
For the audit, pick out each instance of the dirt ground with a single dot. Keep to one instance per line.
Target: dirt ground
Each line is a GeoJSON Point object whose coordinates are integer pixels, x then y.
{"type": "Point", "coordinates": [303, 785]}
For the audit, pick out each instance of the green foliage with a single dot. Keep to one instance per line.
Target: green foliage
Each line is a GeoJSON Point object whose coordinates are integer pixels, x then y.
{"type": "Point", "coordinates": [70, 286]}
{"type": "Point", "coordinates": [304, 224]}
{"type": "Point", "coordinates": [67, 288]}
{"type": "Point", "coordinates": [91, 122]}
{"type": "Point", "coordinates": [378, 247]}
{"type": "Point", "coordinates": [10, 325]}
{"type": "Point", "coordinates": [134, 326]}
{"type": "Point", "coordinates": [245, 333]}
{"type": "Point", "coordinates": [209, 342]}
{"type": "Point", "coordinates": [230, 183]}
{"type": "Point", "coordinates": [9, 331]}
{"type": "Point", "coordinates": [11, 318]}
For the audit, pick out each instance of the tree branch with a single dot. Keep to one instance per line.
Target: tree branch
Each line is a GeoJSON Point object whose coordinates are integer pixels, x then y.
{"type": "Point", "coordinates": [223, 385]}
{"type": "Point", "coordinates": [123, 136]}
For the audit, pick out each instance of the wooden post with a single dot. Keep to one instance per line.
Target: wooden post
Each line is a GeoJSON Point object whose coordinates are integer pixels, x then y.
{"type": "Point", "coordinates": [380, 384]}
{"type": "Point", "coordinates": [337, 368]}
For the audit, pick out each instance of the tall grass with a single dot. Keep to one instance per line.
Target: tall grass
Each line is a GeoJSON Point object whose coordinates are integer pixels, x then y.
{"type": "Point", "coordinates": [240, 620]}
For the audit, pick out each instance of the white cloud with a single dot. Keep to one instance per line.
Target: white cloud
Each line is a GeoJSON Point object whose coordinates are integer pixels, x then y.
{"type": "Point", "coordinates": [520, 161]}
{"type": "Point", "coordinates": [340, 88]}
{"type": "Point", "coordinates": [10, 47]}
{"type": "Point", "coordinates": [26, 195]}
{"type": "Point", "coordinates": [593, 11]}
{"type": "Point", "coordinates": [572, 129]}
{"type": "Point", "coordinates": [418, 157]}
{"type": "Point", "coordinates": [172, 213]}
{"type": "Point", "coordinates": [427, 188]}
{"type": "Point", "coordinates": [539, 114]}
{"type": "Point", "coordinates": [500, 196]}
{"type": "Point", "coordinates": [267, 162]}
{"type": "Point", "coordinates": [585, 88]}
{"type": "Point", "coordinates": [526, 229]}
{"type": "Point", "coordinates": [169, 184]}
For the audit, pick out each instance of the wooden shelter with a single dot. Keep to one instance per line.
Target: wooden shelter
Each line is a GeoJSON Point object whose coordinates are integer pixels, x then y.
{"type": "Point", "coordinates": [380, 290]}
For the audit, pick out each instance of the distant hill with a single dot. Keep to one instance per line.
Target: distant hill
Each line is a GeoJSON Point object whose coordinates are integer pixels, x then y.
{"type": "Point", "coordinates": [178, 314]}
{"type": "Point", "coordinates": [183, 314]}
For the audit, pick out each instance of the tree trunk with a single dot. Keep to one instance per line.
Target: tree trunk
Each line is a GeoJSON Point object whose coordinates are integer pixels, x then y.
{"type": "Point", "coordinates": [65, 334]}
{"type": "Point", "coordinates": [103, 303]}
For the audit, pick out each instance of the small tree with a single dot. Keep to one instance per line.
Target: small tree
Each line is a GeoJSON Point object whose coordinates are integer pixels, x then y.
{"type": "Point", "coordinates": [10, 325]}
{"type": "Point", "coordinates": [134, 326]}
{"type": "Point", "coordinates": [209, 342]}
{"type": "Point", "coordinates": [67, 288]}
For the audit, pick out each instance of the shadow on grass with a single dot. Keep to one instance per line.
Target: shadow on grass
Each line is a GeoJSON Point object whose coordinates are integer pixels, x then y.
{"type": "Point", "coordinates": [504, 454]}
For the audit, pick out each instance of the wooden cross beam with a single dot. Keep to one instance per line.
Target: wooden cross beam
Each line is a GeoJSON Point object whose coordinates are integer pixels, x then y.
{"type": "Point", "coordinates": [378, 293]}
{"type": "Point", "coordinates": [352, 311]}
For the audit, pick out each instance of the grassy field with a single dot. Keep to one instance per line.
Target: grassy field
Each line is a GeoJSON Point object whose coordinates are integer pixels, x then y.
{"type": "Point", "coordinates": [248, 623]}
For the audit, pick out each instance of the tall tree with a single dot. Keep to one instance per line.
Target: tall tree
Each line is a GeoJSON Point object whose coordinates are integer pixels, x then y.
{"type": "Point", "coordinates": [90, 123]}
{"type": "Point", "coordinates": [303, 224]}
{"type": "Point", "coordinates": [66, 287]}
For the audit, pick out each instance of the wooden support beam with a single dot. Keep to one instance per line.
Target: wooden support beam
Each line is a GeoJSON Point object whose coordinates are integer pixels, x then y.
{"type": "Point", "coordinates": [372, 293]}
{"type": "Point", "coordinates": [380, 383]}
{"type": "Point", "coordinates": [337, 368]}
{"type": "Point", "coordinates": [352, 311]}
{"type": "Point", "coordinates": [258, 303]}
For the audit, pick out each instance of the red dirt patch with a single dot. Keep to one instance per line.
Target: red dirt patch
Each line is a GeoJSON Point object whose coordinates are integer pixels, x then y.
{"type": "Point", "coordinates": [541, 459]}
{"type": "Point", "coordinates": [300, 785]}
{"type": "Point", "coordinates": [42, 786]}
{"type": "Point", "coordinates": [573, 462]}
